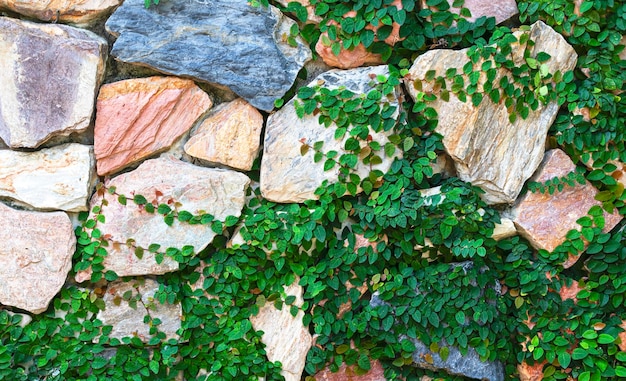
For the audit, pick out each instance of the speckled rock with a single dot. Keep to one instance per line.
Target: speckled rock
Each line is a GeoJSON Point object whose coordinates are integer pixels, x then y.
{"type": "Point", "coordinates": [289, 176]}
{"type": "Point", "coordinates": [50, 75]}
{"type": "Point", "coordinates": [489, 151]}
{"type": "Point", "coordinates": [225, 42]}
{"type": "Point", "coordinates": [229, 135]}
{"type": "Point", "coordinates": [77, 12]}
{"type": "Point", "coordinates": [54, 178]}
{"type": "Point", "coordinates": [35, 257]}
{"type": "Point", "coordinates": [545, 219]}
{"type": "Point", "coordinates": [501, 10]}
{"type": "Point", "coordinates": [140, 117]}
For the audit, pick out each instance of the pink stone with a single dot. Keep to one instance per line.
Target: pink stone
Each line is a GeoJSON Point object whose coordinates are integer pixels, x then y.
{"type": "Point", "coordinates": [349, 373]}
{"type": "Point", "coordinates": [139, 117]}
{"type": "Point", "coordinates": [545, 219]}
{"type": "Point", "coordinates": [502, 10]}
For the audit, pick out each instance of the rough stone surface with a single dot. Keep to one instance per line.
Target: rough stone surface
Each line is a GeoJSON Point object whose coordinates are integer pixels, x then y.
{"type": "Point", "coordinates": [349, 373]}
{"type": "Point", "coordinates": [224, 42]}
{"type": "Point", "coordinates": [502, 10]}
{"type": "Point", "coordinates": [286, 339]}
{"type": "Point", "coordinates": [545, 219]}
{"type": "Point", "coordinates": [54, 178]}
{"type": "Point", "coordinates": [505, 229]}
{"type": "Point", "coordinates": [215, 191]}
{"type": "Point", "coordinates": [529, 372]}
{"type": "Point", "coordinates": [139, 117]}
{"type": "Point", "coordinates": [288, 176]}
{"type": "Point", "coordinates": [78, 12]}
{"type": "Point", "coordinates": [488, 150]}
{"type": "Point", "coordinates": [49, 76]}
{"type": "Point", "coordinates": [35, 257]}
{"type": "Point", "coordinates": [128, 321]}
{"type": "Point", "coordinates": [230, 135]}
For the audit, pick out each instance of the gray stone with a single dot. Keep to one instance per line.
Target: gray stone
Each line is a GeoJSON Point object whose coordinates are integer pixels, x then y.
{"type": "Point", "coordinates": [488, 150]}
{"type": "Point", "coordinates": [225, 42]}
{"type": "Point", "coordinates": [127, 319]}
{"type": "Point", "coordinates": [53, 178]}
{"type": "Point", "coordinates": [218, 192]}
{"type": "Point", "coordinates": [50, 75]}
{"type": "Point", "coordinates": [35, 257]}
{"type": "Point", "coordinates": [289, 176]}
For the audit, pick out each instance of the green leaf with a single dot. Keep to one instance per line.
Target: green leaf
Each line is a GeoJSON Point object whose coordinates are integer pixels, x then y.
{"type": "Point", "coordinates": [460, 317]}
{"type": "Point", "coordinates": [154, 366]}
{"type": "Point", "coordinates": [605, 339]}
{"type": "Point", "coordinates": [564, 359]}
{"type": "Point", "coordinates": [579, 354]}
{"type": "Point", "coordinates": [139, 199]}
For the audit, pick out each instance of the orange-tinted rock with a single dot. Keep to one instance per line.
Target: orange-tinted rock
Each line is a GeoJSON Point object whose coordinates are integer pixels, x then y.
{"type": "Point", "coordinates": [230, 135]}
{"type": "Point", "coordinates": [622, 337]}
{"type": "Point", "coordinates": [350, 373]}
{"type": "Point", "coordinates": [530, 372]}
{"type": "Point", "coordinates": [545, 219]}
{"type": "Point", "coordinates": [357, 55]}
{"type": "Point", "coordinates": [140, 117]}
{"type": "Point", "coordinates": [79, 12]}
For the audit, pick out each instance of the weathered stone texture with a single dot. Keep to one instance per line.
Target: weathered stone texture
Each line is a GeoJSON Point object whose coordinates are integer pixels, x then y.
{"type": "Point", "coordinates": [127, 320]}
{"type": "Point", "coordinates": [349, 373]}
{"type": "Point", "coordinates": [224, 42]}
{"type": "Point", "coordinates": [139, 117]}
{"type": "Point", "coordinates": [229, 135]}
{"type": "Point", "coordinates": [287, 340]}
{"type": "Point", "coordinates": [35, 257]}
{"type": "Point", "coordinates": [501, 10]}
{"type": "Point", "coordinates": [545, 219]}
{"type": "Point", "coordinates": [218, 192]}
{"type": "Point", "coordinates": [289, 176]}
{"type": "Point", "coordinates": [54, 178]}
{"type": "Point", "coordinates": [488, 150]}
{"type": "Point", "coordinates": [49, 76]}
{"type": "Point", "coordinates": [78, 12]}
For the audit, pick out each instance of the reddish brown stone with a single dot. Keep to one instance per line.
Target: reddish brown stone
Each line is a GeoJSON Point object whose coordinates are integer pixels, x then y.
{"type": "Point", "coordinates": [350, 373]}
{"type": "Point", "coordinates": [545, 219]}
{"type": "Point", "coordinates": [140, 117]}
{"type": "Point", "coordinates": [530, 372]}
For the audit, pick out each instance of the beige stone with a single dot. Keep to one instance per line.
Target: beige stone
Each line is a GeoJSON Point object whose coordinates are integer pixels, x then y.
{"type": "Point", "coordinates": [128, 319]}
{"type": "Point", "coordinates": [287, 340]}
{"type": "Point", "coordinates": [139, 117]}
{"type": "Point", "coordinates": [54, 178]}
{"type": "Point", "coordinates": [289, 176]}
{"type": "Point", "coordinates": [218, 192]}
{"type": "Point", "coordinates": [545, 219]}
{"type": "Point", "coordinates": [505, 229]}
{"type": "Point", "coordinates": [78, 12]}
{"type": "Point", "coordinates": [49, 75]}
{"type": "Point", "coordinates": [35, 257]}
{"type": "Point", "coordinates": [229, 135]}
{"type": "Point", "coordinates": [488, 150]}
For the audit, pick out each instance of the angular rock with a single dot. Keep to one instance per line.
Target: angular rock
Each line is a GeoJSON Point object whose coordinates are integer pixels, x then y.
{"type": "Point", "coordinates": [35, 257]}
{"type": "Point", "coordinates": [225, 42]}
{"type": "Point", "coordinates": [501, 10]}
{"type": "Point", "coordinates": [529, 372]}
{"type": "Point", "coordinates": [505, 229]}
{"type": "Point", "coordinates": [230, 135]}
{"type": "Point", "coordinates": [545, 219]}
{"type": "Point", "coordinates": [286, 339]}
{"type": "Point", "coordinates": [488, 150]}
{"type": "Point", "coordinates": [349, 373]}
{"type": "Point", "coordinates": [77, 12]}
{"type": "Point", "coordinates": [289, 176]}
{"type": "Point", "coordinates": [127, 318]}
{"type": "Point", "coordinates": [49, 76]}
{"type": "Point", "coordinates": [218, 192]}
{"type": "Point", "coordinates": [54, 178]}
{"type": "Point", "coordinates": [139, 117]}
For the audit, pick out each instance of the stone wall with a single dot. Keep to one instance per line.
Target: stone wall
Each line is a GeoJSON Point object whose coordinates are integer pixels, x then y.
{"type": "Point", "coordinates": [176, 103]}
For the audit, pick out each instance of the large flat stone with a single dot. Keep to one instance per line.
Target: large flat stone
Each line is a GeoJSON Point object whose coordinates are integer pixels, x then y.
{"type": "Point", "coordinates": [545, 219]}
{"type": "Point", "coordinates": [77, 12]}
{"type": "Point", "coordinates": [127, 319]}
{"type": "Point", "coordinates": [229, 135]}
{"type": "Point", "coordinates": [488, 150]}
{"type": "Point", "coordinates": [287, 340]}
{"type": "Point", "coordinates": [225, 42]}
{"type": "Point", "coordinates": [49, 76]}
{"type": "Point", "coordinates": [140, 117]}
{"type": "Point", "coordinates": [218, 192]}
{"type": "Point", "coordinates": [54, 178]}
{"type": "Point", "coordinates": [35, 257]}
{"type": "Point", "coordinates": [501, 10]}
{"type": "Point", "coordinates": [289, 176]}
